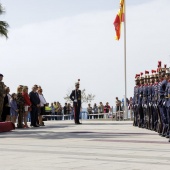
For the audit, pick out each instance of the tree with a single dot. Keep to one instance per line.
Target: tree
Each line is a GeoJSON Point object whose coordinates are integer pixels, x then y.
{"type": "Point", "coordinates": [85, 98]}
{"type": "Point", "coordinates": [3, 25]}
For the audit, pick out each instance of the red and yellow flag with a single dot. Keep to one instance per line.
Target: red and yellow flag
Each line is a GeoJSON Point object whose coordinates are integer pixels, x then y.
{"type": "Point", "coordinates": [119, 19]}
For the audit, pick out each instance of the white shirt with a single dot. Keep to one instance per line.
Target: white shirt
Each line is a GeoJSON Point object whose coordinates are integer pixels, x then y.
{"type": "Point", "coordinates": [42, 100]}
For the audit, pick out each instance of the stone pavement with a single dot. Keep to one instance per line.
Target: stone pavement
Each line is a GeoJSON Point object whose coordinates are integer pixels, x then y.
{"type": "Point", "coordinates": [94, 145]}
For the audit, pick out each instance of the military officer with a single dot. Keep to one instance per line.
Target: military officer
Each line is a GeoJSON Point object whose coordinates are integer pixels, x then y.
{"type": "Point", "coordinates": [149, 102]}
{"type": "Point", "coordinates": [161, 101]}
{"type": "Point", "coordinates": [75, 96]}
{"type": "Point", "coordinates": [167, 99]}
{"type": "Point", "coordinates": [2, 94]}
{"type": "Point", "coordinates": [144, 101]}
{"type": "Point", "coordinates": [157, 122]}
{"type": "Point", "coordinates": [153, 108]}
{"type": "Point", "coordinates": [140, 99]}
{"type": "Point", "coordinates": [135, 99]}
{"type": "Point", "coordinates": [155, 102]}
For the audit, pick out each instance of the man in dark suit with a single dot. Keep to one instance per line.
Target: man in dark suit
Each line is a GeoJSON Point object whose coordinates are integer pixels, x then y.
{"type": "Point", "coordinates": [75, 96]}
{"type": "Point", "coordinates": [34, 98]}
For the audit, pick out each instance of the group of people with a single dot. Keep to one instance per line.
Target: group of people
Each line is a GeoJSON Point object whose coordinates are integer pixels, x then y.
{"type": "Point", "coordinates": [57, 109]}
{"type": "Point", "coordinates": [98, 109]}
{"type": "Point", "coordinates": [151, 101]}
{"type": "Point", "coordinates": [16, 106]}
{"type": "Point", "coordinates": [120, 107]}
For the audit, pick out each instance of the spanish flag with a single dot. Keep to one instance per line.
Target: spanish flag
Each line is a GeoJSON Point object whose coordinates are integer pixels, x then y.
{"type": "Point", "coordinates": [119, 19]}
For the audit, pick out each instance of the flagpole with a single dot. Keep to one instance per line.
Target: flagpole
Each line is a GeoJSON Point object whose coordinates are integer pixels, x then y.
{"type": "Point", "coordinates": [125, 107]}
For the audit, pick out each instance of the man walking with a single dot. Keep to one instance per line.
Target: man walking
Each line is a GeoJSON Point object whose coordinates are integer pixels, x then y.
{"type": "Point", "coordinates": [75, 96]}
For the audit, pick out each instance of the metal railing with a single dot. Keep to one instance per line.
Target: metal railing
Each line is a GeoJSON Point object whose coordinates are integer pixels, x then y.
{"type": "Point", "coordinates": [119, 115]}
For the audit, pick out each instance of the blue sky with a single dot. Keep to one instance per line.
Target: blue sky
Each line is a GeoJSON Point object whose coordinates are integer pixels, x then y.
{"type": "Point", "coordinates": [53, 43]}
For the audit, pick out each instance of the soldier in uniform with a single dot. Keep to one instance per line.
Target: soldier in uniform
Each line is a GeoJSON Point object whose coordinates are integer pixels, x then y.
{"type": "Point", "coordinates": [135, 99]}
{"type": "Point", "coordinates": [152, 100]}
{"type": "Point", "coordinates": [167, 102]}
{"type": "Point", "coordinates": [149, 102]}
{"type": "Point", "coordinates": [75, 96]}
{"type": "Point", "coordinates": [144, 101]}
{"type": "Point", "coordinates": [2, 94]}
{"type": "Point", "coordinates": [157, 118]}
{"type": "Point", "coordinates": [140, 99]}
{"type": "Point", "coordinates": [161, 101]}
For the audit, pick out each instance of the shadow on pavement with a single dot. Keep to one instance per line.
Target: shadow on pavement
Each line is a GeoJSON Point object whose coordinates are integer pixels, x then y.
{"type": "Point", "coordinates": [47, 132]}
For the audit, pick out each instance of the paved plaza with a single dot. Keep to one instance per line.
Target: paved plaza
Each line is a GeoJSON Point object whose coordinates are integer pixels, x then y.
{"type": "Point", "coordinates": [94, 145]}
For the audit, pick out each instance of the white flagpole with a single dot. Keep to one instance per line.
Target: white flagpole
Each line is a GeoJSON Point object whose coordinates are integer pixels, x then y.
{"type": "Point", "coordinates": [125, 107]}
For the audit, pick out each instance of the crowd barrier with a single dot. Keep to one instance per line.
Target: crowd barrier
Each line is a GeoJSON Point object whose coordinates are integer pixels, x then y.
{"type": "Point", "coordinates": [84, 115]}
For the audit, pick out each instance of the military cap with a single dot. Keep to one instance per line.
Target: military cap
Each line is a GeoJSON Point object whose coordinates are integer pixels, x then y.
{"type": "Point", "coordinates": [159, 63]}
{"type": "Point", "coordinates": [77, 83]}
{"type": "Point", "coordinates": [146, 74]}
{"type": "Point", "coordinates": [141, 76]}
{"type": "Point", "coordinates": [159, 69]}
{"type": "Point", "coordinates": [156, 75]}
{"type": "Point", "coordinates": [167, 71]}
{"type": "Point", "coordinates": [152, 75]}
{"type": "Point", "coordinates": [137, 77]}
{"type": "Point", "coordinates": [162, 71]}
{"type": "Point", "coordinates": [1, 75]}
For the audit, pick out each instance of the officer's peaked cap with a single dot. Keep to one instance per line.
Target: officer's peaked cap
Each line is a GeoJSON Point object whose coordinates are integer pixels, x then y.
{"type": "Point", "coordinates": [77, 83]}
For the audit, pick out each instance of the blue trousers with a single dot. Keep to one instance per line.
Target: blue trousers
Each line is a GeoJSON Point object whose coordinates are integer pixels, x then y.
{"type": "Point", "coordinates": [163, 113]}
{"type": "Point", "coordinates": [168, 117]}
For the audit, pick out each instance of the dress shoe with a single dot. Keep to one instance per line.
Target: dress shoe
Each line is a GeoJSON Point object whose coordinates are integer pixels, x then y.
{"type": "Point", "coordinates": [35, 126]}
{"type": "Point", "coordinates": [163, 135]}
{"type": "Point", "coordinates": [42, 125]}
{"type": "Point", "coordinates": [78, 123]}
{"type": "Point", "coordinates": [19, 126]}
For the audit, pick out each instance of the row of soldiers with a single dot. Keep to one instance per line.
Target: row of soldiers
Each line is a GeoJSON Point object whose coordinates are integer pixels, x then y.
{"type": "Point", "coordinates": [151, 101]}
